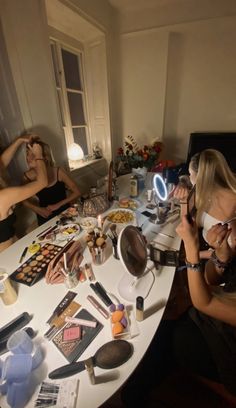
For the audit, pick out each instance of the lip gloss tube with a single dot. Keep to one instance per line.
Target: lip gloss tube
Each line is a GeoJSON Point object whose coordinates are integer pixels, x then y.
{"type": "Point", "coordinates": [81, 322]}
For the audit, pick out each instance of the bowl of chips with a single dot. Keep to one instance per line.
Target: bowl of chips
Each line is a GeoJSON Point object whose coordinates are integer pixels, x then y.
{"type": "Point", "coordinates": [121, 216]}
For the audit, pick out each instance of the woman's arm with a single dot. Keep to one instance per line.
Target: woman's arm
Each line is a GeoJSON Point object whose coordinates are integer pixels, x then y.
{"type": "Point", "coordinates": [70, 185]}
{"type": "Point", "coordinates": [200, 292]}
{"type": "Point", "coordinates": [33, 205]}
{"type": "Point", "coordinates": [9, 152]}
{"type": "Point", "coordinates": [13, 195]}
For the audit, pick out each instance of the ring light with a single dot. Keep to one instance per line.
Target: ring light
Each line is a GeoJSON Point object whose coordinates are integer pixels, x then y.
{"type": "Point", "coordinates": [160, 187]}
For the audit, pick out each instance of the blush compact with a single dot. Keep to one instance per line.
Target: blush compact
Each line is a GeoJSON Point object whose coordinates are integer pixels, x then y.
{"type": "Point", "coordinates": [36, 266]}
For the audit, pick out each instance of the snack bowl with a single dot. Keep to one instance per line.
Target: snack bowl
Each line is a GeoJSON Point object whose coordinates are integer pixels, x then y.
{"type": "Point", "coordinates": [88, 223]}
{"type": "Point", "coordinates": [121, 216]}
{"type": "Point", "coordinates": [129, 203]}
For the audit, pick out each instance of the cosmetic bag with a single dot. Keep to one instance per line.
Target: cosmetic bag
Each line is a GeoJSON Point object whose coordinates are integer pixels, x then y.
{"type": "Point", "coordinates": [74, 256]}
{"type": "Point", "coordinates": [96, 205]}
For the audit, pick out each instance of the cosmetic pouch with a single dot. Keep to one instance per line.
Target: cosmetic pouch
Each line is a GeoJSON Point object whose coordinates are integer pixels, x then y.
{"type": "Point", "coordinates": [74, 256]}
{"type": "Point", "coordinates": [96, 205]}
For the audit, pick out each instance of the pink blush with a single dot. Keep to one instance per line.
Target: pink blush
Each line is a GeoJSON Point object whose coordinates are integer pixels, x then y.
{"type": "Point", "coordinates": [72, 333]}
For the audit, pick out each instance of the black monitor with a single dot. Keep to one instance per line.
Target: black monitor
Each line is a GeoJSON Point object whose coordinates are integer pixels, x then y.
{"type": "Point", "coordinates": [225, 142]}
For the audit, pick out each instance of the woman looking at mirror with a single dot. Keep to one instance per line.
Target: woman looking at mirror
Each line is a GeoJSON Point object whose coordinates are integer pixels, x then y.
{"type": "Point", "coordinates": [53, 199]}
{"type": "Point", "coordinates": [215, 193]}
{"type": "Point", "coordinates": [9, 196]}
{"type": "Point", "coordinates": [201, 341]}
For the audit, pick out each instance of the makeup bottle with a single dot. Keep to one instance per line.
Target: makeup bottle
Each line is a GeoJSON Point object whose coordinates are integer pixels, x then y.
{"type": "Point", "coordinates": [139, 308]}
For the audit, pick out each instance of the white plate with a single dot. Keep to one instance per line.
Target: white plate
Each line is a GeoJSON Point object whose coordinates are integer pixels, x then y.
{"type": "Point", "coordinates": [68, 231]}
{"type": "Point", "coordinates": [88, 223]}
{"type": "Point", "coordinates": [121, 216]}
{"type": "Point", "coordinates": [129, 203]}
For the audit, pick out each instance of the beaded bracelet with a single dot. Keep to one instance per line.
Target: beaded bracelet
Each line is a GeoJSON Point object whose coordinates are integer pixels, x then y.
{"type": "Point", "coordinates": [194, 266]}
{"type": "Point", "coordinates": [183, 202]}
{"type": "Point", "coordinates": [216, 261]}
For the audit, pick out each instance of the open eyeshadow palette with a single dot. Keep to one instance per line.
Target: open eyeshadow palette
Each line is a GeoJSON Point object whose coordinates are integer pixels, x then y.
{"type": "Point", "coordinates": [35, 267]}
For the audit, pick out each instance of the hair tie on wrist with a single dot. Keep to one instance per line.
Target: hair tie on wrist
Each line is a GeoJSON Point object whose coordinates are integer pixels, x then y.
{"type": "Point", "coordinates": [194, 266]}
{"type": "Point", "coordinates": [216, 261]}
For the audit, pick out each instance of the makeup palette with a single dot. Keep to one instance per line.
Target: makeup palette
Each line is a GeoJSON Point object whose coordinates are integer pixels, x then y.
{"type": "Point", "coordinates": [36, 266]}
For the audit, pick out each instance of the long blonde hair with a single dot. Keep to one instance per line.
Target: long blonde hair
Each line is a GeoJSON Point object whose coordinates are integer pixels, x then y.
{"type": "Point", "coordinates": [213, 172]}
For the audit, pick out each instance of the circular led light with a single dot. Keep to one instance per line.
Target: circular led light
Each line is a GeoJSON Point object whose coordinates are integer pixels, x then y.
{"type": "Point", "coordinates": [160, 187]}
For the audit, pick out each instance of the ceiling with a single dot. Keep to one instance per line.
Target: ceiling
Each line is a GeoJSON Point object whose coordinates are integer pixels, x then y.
{"type": "Point", "coordinates": [123, 5]}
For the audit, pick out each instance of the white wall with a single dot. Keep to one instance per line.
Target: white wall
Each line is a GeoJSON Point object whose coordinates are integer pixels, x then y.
{"type": "Point", "coordinates": [195, 90]}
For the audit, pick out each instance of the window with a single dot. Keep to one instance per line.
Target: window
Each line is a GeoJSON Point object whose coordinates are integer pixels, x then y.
{"type": "Point", "coordinates": [68, 69]}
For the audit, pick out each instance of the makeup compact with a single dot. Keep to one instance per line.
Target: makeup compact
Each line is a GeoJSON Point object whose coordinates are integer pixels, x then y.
{"type": "Point", "coordinates": [36, 266]}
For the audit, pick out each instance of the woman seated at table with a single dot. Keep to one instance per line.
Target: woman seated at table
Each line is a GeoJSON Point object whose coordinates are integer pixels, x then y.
{"type": "Point", "coordinates": [202, 341]}
{"type": "Point", "coordinates": [215, 192]}
{"type": "Point", "coordinates": [9, 196]}
{"type": "Point", "coordinates": [53, 199]}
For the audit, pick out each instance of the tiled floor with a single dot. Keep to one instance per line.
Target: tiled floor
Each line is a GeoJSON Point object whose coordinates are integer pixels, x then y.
{"type": "Point", "coordinates": [179, 390]}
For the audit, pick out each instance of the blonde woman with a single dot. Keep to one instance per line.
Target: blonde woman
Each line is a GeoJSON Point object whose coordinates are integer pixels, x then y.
{"type": "Point", "coordinates": [215, 192]}
{"type": "Point", "coordinates": [9, 196]}
{"type": "Point", "coordinates": [202, 341]}
{"type": "Point", "coordinates": [52, 199]}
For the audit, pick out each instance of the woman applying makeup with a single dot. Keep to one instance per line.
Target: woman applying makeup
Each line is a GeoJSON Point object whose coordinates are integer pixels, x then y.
{"type": "Point", "coordinates": [53, 199]}
{"type": "Point", "coordinates": [9, 196]}
{"type": "Point", "coordinates": [215, 192]}
{"type": "Point", "coordinates": [202, 341]}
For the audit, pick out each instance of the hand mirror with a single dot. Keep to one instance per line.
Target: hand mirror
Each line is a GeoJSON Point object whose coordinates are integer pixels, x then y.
{"type": "Point", "coordinates": [110, 355]}
{"type": "Point", "coordinates": [133, 255]}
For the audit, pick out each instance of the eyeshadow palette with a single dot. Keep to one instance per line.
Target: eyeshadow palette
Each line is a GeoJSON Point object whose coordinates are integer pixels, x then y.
{"type": "Point", "coordinates": [36, 266]}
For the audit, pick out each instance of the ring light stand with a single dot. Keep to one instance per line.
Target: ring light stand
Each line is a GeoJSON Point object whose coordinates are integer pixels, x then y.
{"type": "Point", "coordinates": [137, 280]}
{"type": "Point", "coordinates": [160, 196]}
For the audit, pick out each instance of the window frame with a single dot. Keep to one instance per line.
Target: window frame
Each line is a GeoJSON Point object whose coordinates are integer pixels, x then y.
{"type": "Point", "coordinates": [57, 45]}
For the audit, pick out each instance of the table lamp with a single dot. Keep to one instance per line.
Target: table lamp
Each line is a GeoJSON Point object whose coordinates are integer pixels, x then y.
{"type": "Point", "coordinates": [75, 154]}
{"type": "Point", "coordinates": [138, 278]}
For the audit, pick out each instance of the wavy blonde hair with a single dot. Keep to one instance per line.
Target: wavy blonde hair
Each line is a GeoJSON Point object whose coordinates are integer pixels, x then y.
{"type": "Point", "coordinates": [213, 172]}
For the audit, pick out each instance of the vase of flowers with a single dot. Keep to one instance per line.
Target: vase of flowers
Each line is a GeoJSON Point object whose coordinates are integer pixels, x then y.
{"type": "Point", "coordinates": [133, 158]}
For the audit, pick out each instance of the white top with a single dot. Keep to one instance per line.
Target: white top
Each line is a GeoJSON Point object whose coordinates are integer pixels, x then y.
{"type": "Point", "coordinates": [41, 299]}
{"type": "Point", "coordinates": [207, 221]}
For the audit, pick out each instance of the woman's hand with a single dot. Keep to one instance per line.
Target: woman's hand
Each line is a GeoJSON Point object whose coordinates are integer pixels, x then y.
{"type": "Point", "coordinates": [54, 207]}
{"type": "Point", "coordinates": [44, 212]}
{"type": "Point", "coordinates": [217, 237]}
{"type": "Point", "coordinates": [189, 234]}
{"type": "Point", "coordinates": [29, 138]}
{"type": "Point", "coordinates": [37, 150]}
{"type": "Point", "coordinates": [181, 193]}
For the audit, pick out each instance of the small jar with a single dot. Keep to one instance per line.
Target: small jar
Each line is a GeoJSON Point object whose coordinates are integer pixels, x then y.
{"type": "Point", "coordinates": [133, 186]}
{"type": "Point", "coordinates": [7, 292]}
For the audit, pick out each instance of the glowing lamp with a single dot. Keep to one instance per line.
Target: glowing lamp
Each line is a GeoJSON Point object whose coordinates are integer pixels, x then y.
{"type": "Point", "coordinates": [75, 152]}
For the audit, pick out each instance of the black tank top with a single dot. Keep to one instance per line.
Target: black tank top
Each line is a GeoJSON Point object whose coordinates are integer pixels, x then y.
{"type": "Point", "coordinates": [52, 195]}
{"type": "Point", "coordinates": [7, 229]}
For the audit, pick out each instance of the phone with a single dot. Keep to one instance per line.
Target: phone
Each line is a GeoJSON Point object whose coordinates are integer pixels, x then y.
{"type": "Point", "coordinates": [167, 257]}
{"type": "Point", "coordinates": [191, 207]}
{"type": "Point", "coordinates": [146, 213]}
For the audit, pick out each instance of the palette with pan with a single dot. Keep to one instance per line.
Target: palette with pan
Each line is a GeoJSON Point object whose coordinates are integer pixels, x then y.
{"type": "Point", "coordinates": [36, 266]}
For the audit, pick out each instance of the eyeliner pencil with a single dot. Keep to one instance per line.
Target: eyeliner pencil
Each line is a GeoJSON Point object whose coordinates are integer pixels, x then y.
{"type": "Point", "coordinates": [23, 254]}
